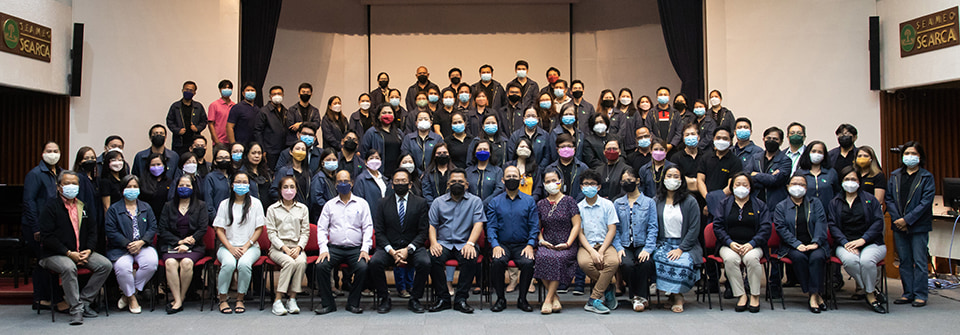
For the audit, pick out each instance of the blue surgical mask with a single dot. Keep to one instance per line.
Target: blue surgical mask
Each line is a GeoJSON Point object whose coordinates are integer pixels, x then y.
{"type": "Point", "coordinates": [331, 165]}
{"type": "Point", "coordinates": [184, 192]}
{"type": "Point", "coordinates": [131, 194]}
{"type": "Point", "coordinates": [486, 76]}
{"type": "Point", "coordinates": [464, 97]}
{"type": "Point", "coordinates": [490, 129]}
{"type": "Point", "coordinates": [700, 111]}
{"type": "Point", "coordinates": [589, 191]}
{"type": "Point", "coordinates": [557, 92]}
{"type": "Point", "coordinates": [241, 189]}
{"type": "Point", "coordinates": [226, 92]}
{"type": "Point", "coordinates": [911, 160]}
{"type": "Point", "coordinates": [250, 95]}
{"type": "Point", "coordinates": [433, 98]}
{"type": "Point", "coordinates": [530, 122]}
{"type": "Point", "coordinates": [483, 155]}
{"type": "Point", "coordinates": [521, 73]}
{"type": "Point", "coordinates": [71, 191]}
{"type": "Point", "coordinates": [643, 143]}
{"type": "Point", "coordinates": [743, 134]}
{"type": "Point", "coordinates": [236, 156]}
{"type": "Point", "coordinates": [545, 104]}
{"type": "Point", "coordinates": [307, 139]}
{"type": "Point", "coordinates": [458, 128]}
{"type": "Point", "coordinates": [568, 119]}
{"type": "Point", "coordinates": [343, 188]}
{"type": "Point", "coordinates": [394, 102]}
{"type": "Point", "coordinates": [663, 100]}
{"type": "Point", "coordinates": [691, 140]}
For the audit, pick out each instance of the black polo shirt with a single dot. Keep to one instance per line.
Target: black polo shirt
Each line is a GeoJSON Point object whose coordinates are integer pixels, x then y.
{"type": "Point", "coordinates": [688, 164]}
{"type": "Point", "coordinates": [717, 171]}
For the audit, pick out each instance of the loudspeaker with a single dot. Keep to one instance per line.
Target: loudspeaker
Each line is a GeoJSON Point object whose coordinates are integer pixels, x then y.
{"type": "Point", "coordinates": [76, 59]}
{"type": "Point", "coordinates": [874, 53]}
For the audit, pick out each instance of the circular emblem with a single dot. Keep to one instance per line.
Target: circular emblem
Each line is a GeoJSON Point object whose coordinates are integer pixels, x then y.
{"type": "Point", "coordinates": [11, 33]}
{"type": "Point", "coordinates": [908, 36]}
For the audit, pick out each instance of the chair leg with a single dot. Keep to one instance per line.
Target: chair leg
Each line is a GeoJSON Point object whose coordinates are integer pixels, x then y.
{"type": "Point", "coordinates": [53, 307]}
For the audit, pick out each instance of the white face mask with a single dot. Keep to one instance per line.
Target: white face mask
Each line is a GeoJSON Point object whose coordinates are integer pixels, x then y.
{"type": "Point", "coordinates": [599, 128]}
{"type": "Point", "coordinates": [552, 188]}
{"type": "Point", "coordinates": [645, 105]}
{"type": "Point", "coordinates": [51, 158]}
{"type": "Point", "coordinates": [423, 125]}
{"type": "Point", "coordinates": [117, 149]}
{"type": "Point", "coordinates": [816, 158]}
{"type": "Point", "coordinates": [850, 186]}
{"type": "Point", "coordinates": [523, 152]}
{"type": "Point", "coordinates": [116, 166]}
{"type": "Point", "coordinates": [671, 184]}
{"type": "Point", "coordinates": [714, 101]}
{"type": "Point", "coordinates": [190, 168]}
{"type": "Point", "coordinates": [625, 101]}
{"type": "Point", "coordinates": [365, 105]}
{"type": "Point", "coordinates": [741, 192]}
{"type": "Point", "coordinates": [408, 166]}
{"type": "Point", "coordinates": [721, 145]}
{"type": "Point", "coordinates": [797, 191]}
{"type": "Point", "coordinates": [335, 108]}
{"type": "Point", "coordinates": [277, 99]}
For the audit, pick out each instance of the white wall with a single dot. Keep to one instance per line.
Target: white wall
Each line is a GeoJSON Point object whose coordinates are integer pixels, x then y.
{"type": "Point", "coordinates": [806, 61]}
{"type": "Point", "coordinates": [32, 74]}
{"type": "Point", "coordinates": [921, 69]}
{"type": "Point", "coordinates": [138, 53]}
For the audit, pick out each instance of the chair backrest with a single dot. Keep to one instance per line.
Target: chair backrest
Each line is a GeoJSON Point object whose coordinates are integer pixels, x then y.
{"type": "Point", "coordinates": [312, 245]}
{"type": "Point", "coordinates": [210, 240]}
{"type": "Point", "coordinates": [264, 241]}
{"type": "Point", "coordinates": [709, 237]}
{"type": "Point", "coordinates": [774, 241]}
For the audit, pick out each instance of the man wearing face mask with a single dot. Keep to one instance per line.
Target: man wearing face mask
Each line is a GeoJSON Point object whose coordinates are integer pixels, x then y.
{"type": "Point", "coordinates": [768, 170]}
{"type": "Point", "coordinates": [420, 144]}
{"type": "Point", "coordinates": [745, 149]}
{"type": "Point", "coordinates": [423, 84]}
{"type": "Point", "coordinates": [112, 143]}
{"type": "Point", "coordinates": [39, 186]}
{"type": "Point", "coordinates": [186, 118]}
{"type": "Point", "coordinates": [797, 133]}
{"type": "Point", "coordinates": [307, 134]}
{"type": "Point", "coordinates": [553, 74]}
{"type": "Point", "coordinates": [512, 112]}
{"type": "Point", "coordinates": [568, 165]}
{"type": "Point", "coordinates": [303, 111]}
{"type": "Point", "coordinates": [158, 137]}
{"type": "Point", "coordinates": [611, 170]}
{"type": "Point", "coordinates": [716, 167]}
{"type": "Point", "coordinates": [513, 226]}
{"type": "Point", "coordinates": [273, 131]}
{"type": "Point", "coordinates": [844, 155]}
{"type": "Point", "coordinates": [560, 94]}
{"type": "Point", "coordinates": [199, 149]}
{"type": "Point", "coordinates": [583, 108]}
{"type": "Point", "coordinates": [244, 117]}
{"type": "Point", "coordinates": [455, 76]}
{"type": "Point", "coordinates": [665, 115]}
{"type": "Point", "coordinates": [640, 156]}
{"type": "Point", "coordinates": [528, 87]}
{"type": "Point", "coordinates": [496, 96]}
{"type": "Point", "coordinates": [218, 111]}
{"type": "Point", "coordinates": [348, 157]}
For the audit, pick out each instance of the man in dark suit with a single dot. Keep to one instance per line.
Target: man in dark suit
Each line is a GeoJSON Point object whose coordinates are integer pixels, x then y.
{"type": "Point", "coordinates": [401, 228]}
{"type": "Point", "coordinates": [68, 234]}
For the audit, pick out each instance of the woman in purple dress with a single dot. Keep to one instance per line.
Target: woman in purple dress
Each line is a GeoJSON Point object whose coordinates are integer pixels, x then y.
{"type": "Point", "coordinates": [559, 228]}
{"type": "Point", "coordinates": [183, 222]}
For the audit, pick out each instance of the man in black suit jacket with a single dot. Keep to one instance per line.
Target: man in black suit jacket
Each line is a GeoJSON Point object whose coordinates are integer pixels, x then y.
{"type": "Point", "coordinates": [401, 243]}
{"type": "Point", "coordinates": [64, 251]}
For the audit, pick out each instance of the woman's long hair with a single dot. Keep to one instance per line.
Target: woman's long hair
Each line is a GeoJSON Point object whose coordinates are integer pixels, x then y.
{"type": "Point", "coordinates": [233, 199]}
{"type": "Point", "coordinates": [680, 194]}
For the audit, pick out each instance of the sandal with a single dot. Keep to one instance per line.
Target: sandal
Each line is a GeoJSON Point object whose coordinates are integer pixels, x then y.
{"type": "Point", "coordinates": [239, 309]}
{"type": "Point", "coordinates": [227, 309]}
{"type": "Point", "coordinates": [677, 309]}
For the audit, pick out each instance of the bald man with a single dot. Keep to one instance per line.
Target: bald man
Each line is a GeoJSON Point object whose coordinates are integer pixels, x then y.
{"type": "Point", "coordinates": [423, 84]}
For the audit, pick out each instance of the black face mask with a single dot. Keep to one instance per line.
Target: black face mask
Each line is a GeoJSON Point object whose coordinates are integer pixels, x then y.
{"type": "Point", "coordinates": [350, 145]}
{"type": "Point", "coordinates": [772, 146]}
{"type": "Point", "coordinates": [88, 165]}
{"type": "Point", "coordinates": [457, 189]}
{"type": "Point", "coordinates": [305, 98]}
{"type": "Point", "coordinates": [680, 105]}
{"type": "Point", "coordinates": [224, 165]}
{"type": "Point", "coordinates": [577, 94]}
{"type": "Point", "coordinates": [629, 186]}
{"type": "Point", "coordinates": [455, 80]}
{"type": "Point", "coordinates": [607, 103]}
{"type": "Point", "coordinates": [512, 184]}
{"type": "Point", "coordinates": [199, 152]}
{"type": "Point", "coordinates": [384, 83]}
{"type": "Point", "coordinates": [514, 98]}
{"type": "Point", "coordinates": [422, 79]}
{"type": "Point", "coordinates": [845, 141]}
{"type": "Point", "coordinates": [158, 140]}
{"type": "Point", "coordinates": [443, 160]}
{"type": "Point", "coordinates": [401, 189]}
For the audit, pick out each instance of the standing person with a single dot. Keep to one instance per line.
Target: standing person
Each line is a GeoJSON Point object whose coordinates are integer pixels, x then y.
{"type": "Point", "coordinates": [483, 178]}
{"type": "Point", "coordinates": [239, 222]}
{"type": "Point", "coordinates": [598, 255]}
{"type": "Point", "coordinates": [401, 229]}
{"type": "Point", "coordinates": [303, 111]}
{"type": "Point", "coordinates": [243, 117]}
{"type": "Point", "coordinates": [186, 119]}
{"type": "Point", "coordinates": [537, 136]}
{"type": "Point", "coordinates": [530, 177]}
{"type": "Point", "coordinates": [40, 185]}
{"type": "Point", "coordinates": [112, 143]}
{"type": "Point", "coordinates": [797, 134]}
{"type": "Point", "coordinates": [723, 116]}
{"type": "Point", "coordinates": [910, 205]}
{"type": "Point", "coordinates": [846, 154]}
{"type": "Point", "coordinates": [596, 140]}
{"type": "Point", "coordinates": [454, 75]}
{"type": "Point", "coordinates": [744, 149]}
{"type": "Point", "coordinates": [528, 88]}
{"type": "Point", "coordinates": [435, 175]}
{"type": "Point", "coordinates": [568, 125]}
{"type": "Point", "coordinates": [158, 140]}
{"type": "Point", "coordinates": [297, 170]}
{"type": "Point", "coordinates": [362, 119]}
{"type": "Point", "coordinates": [385, 136]}
{"type": "Point", "coordinates": [651, 174]}
{"type": "Point", "coordinates": [872, 179]}
{"type": "Point", "coordinates": [611, 171]}
{"type": "Point", "coordinates": [217, 185]}
{"type": "Point", "coordinates": [423, 84]}
{"type": "Point", "coordinates": [371, 184]}
{"type": "Point", "coordinates": [131, 227]}
{"type": "Point", "coordinates": [218, 112]}
{"type": "Point", "coordinates": [742, 239]}
{"type": "Point", "coordinates": [495, 138]}
{"type": "Point", "coordinates": [67, 238]}
{"type": "Point", "coordinates": [558, 240]}
{"type": "Point", "coordinates": [622, 120]}
{"type": "Point", "coordinates": [553, 74]}
{"type": "Point", "coordinates": [495, 95]}
{"type": "Point", "coordinates": [456, 223]}
{"type": "Point", "coordinates": [323, 184]}
{"type": "Point", "coordinates": [442, 116]}
{"type": "Point", "coordinates": [715, 170]}
{"type": "Point", "coordinates": [582, 108]}
{"type": "Point", "coordinates": [261, 176]}
{"type": "Point", "coordinates": [768, 170]}
{"type": "Point", "coordinates": [288, 229]}
{"type": "Point", "coordinates": [822, 180]}
{"type": "Point", "coordinates": [640, 156]}
{"type": "Point", "coordinates": [605, 106]}
{"type": "Point", "coordinates": [378, 96]}
{"type": "Point", "coordinates": [420, 144]}
{"type": "Point", "coordinates": [637, 236]}
{"type": "Point", "coordinates": [459, 141]}
{"type": "Point", "coordinates": [707, 123]}
{"type": "Point", "coordinates": [110, 189]}
{"type": "Point", "coordinates": [680, 118]}
{"type": "Point", "coordinates": [512, 112]}
{"type": "Point", "coordinates": [273, 131]}
{"type": "Point", "coordinates": [181, 227]}
{"type": "Point", "coordinates": [86, 166]}
{"type": "Point", "coordinates": [646, 118]}
{"type": "Point", "coordinates": [334, 123]}
{"type": "Point", "coordinates": [153, 188]}
{"type": "Point", "coordinates": [678, 251]}
{"type": "Point", "coordinates": [571, 168]}
{"type": "Point", "coordinates": [665, 117]}
{"type": "Point", "coordinates": [802, 225]}
{"type": "Point", "coordinates": [512, 226]}
{"type": "Point", "coordinates": [345, 235]}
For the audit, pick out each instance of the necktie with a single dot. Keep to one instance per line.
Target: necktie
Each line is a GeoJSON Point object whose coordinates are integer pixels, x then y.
{"type": "Point", "coordinates": [402, 210]}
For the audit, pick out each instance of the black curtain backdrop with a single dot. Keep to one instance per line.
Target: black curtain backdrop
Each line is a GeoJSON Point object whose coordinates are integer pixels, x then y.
{"type": "Point", "coordinates": [258, 30]}
{"type": "Point", "coordinates": [682, 23]}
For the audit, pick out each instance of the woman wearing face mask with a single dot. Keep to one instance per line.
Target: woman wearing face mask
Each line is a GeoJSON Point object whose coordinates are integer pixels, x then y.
{"type": "Point", "coordinates": [637, 235]}
{"type": "Point", "coordinates": [558, 246]}
{"type": "Point", "coordinates": [433, 99]}
{"type": "Point", "coordinates": [155, 187]}
{"type": "Point", "coordinates": [569, 125]}
{"type": "Point", "coordinates": [856, 225]}
{"type": "Point", "coordinates": [872, 179]}
{"type": "Point", "coordinates": [596, 140]}
{"type": "Point", "coordinates": [706, 123]}
{"type": "Point", "coordinates": [378, 96]}
{"type": "Point", "coordinates": [537, 136]}
{"type": "Point", "coordinates": [483, 178]}
{"type": "Point", "coordinates": [678, 250]}
{"type": "Point", "coordinates": [492, 136]}
{"type": "Point", "coordinates": [910, 204]}
{"type": "Point", "coordinates": [625, 120]}
{"type": "Point", "coordinates": [239, 222]}
{"type": "Point", "coordinates": [645, 118]}
{"type": "Point", "coordinates": [217, 185]}
{"type": "Point", "coordinates": [407, 163]}
{"type": "Point", "coordinates": [297, 170]}
{"type": "Point", "coordinates": [610, 171]}
{"type": "Point", "coordinates": [481, 110]}
{"type": "Point", "coordinates": [822, 180]}
{"type": "Point", "coordinates": [688, 159]}
{"type": "Point", "coordinates": [334, 123]}
{"type": "Point", "coordinates": [236, 156]}
{"type": "Point", "coordinates": [131, 226]}
{"type": "Point", "coordinates": [651, 174]}
{"type": "Point", "coordinates": [110, 189]}
{"type": "Point", "coordinates": [411, 123]}
{"type": "Point", "coordinates": [459, 142]}
{"type": "Point", "coordinates": [86, 166]}
{"type": "Point", "coordinates": [679, 120]}
{"type": "Point", "coordinates": [419, 144]}
{"type": "Point", "coordinates": [530, 179]}
{"type": "Point", "coordinates": [434, 179]}
{"type": "Point", "coordinates": [362, 119]}
{"type": "Point", "coordinates": [606, 106]}
{"type": "Point", "coordinates": [323, 185]}
{"type": "Point", "coordinates": [400, 114]}
{"type": "Point", "coordinates": [546, 111]}
{"type": "Point", "coordinates": [371, 185]}
{"type": "Point", "coordinates": [288, 229]}
{"type": "Point", "coordinates": [723, 116]}
{"type": "Point", "coordinates": [802, 225]}
{"type": "Point", "coordinates": [742, 229]}
{"type": "Point", "coordinates": [261, 175]}
{"type": "Point", "coordinates": [441, 118]}
{"type": "Point", "coordinates": [385, 137]}
{"type": "Point", "coordinates": [188, 167]}
{"type": "Point", "coordinates": [182, 225]}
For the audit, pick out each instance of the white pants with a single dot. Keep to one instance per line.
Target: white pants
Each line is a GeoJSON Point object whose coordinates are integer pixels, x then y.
{"type": "Point", "coordinates": [863, 267]}
{"type": "Point", "coordinates": [731, 264]}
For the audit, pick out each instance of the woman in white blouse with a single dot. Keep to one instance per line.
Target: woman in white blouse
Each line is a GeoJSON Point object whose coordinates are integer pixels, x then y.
{"type": "Point", "coordinates": [239, 223]}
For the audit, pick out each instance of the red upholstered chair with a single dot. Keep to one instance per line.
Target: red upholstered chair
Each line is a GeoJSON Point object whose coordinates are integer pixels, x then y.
{"type": "Point", "coordinates": [261, 262]}
{"type": "Point", "coordinates": [207, 265]}
{"type": "Point", "coordinates": [773, 244]}
{"type": "Point", "coordinates": [55, 282]}
{"type": "Point", "coordinates": [835, 261]}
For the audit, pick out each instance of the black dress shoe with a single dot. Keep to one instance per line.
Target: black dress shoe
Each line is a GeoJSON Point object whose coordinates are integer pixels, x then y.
{"type": "Point", "coordinates": [878, 307]}
{"type": "Point", "coordinates": [414, 306]}
{"type": "Point", "coordinates": [902, 301]}
{"type": "Point", "coordinates": [385, 306]}
{"type": "Point", "coordinates": [523, 305]}
{"type": "Point", "coordinates": [442, 304]}
{"type": "Point", "coordinates": [463, 307]}
{"type": "Point", "coordinates": [754, 309]}
{"type": "Point", "coordinates": [499, 306]}
{"type": "Point", "coordinates": [354, 309]}
{"type": "Point", "coordinates": [823, 307]}
{"type": "Point", "coordinates": [815, 310]}
{"type": "Point", "coordinates": [324, 310]}
{"type": "Point", "coordinates": [740, 309]}
{"type": "Point", "coordinates": [918, 303]}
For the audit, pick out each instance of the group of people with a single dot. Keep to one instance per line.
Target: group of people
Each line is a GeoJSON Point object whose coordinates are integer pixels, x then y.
{"type": "Point", "coordinates": [538, 180]}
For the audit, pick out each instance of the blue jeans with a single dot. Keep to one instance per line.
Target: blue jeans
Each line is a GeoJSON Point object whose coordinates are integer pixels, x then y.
{"type": "Point", "coordinates": [912, 248]}
{"type": "Point", "coordinates": [403, 277]}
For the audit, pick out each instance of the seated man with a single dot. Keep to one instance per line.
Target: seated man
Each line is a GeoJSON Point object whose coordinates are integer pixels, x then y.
{"type": "Point", "coordinates": [598, 256]}
{"type": "Point", "coordinates": [512, 228]}
{"type": "Point", "coordinates": [68, 234]}
{"type": "Point", "coordinates": [345, 235]}
{"type": "Point", "coordinates": [401, 228]}
{"type": "Point", "coordinates": [456, 222]}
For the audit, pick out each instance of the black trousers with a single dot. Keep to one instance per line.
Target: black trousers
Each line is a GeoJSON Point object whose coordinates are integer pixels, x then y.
{"type": "Point", "coordinates": [357, 268]}
{"type": "Point", "coordinates": [419, 260]}
{"type": "Point", "coordinates": [499, 265]}
{"type": "Point", "coordinates": [438, 272]}
{"type": "Point", "coordinates": [41, 277]}
{"type": "Point", "coordinates": [637, 274]}
{"type": "Point", "coordinates": [809, 269]}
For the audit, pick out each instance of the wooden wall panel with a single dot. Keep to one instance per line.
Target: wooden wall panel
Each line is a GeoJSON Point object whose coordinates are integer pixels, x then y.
{"type": "Point", "coordinates": [27, 121]}
{"type": "Point", "coordinates": [931, 116]}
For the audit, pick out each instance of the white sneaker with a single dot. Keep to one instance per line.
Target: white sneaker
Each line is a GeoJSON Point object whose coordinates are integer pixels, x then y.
{"type": "Point", "coordinates": [292, 307]}
{"type": "Point", "coordinates": [278, 309]}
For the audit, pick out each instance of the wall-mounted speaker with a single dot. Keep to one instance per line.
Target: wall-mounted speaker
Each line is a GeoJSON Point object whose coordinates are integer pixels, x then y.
{"type": "Point", "coordinates": [874, 53]}
{"type": "Point", "coordinates": [76, 60]}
